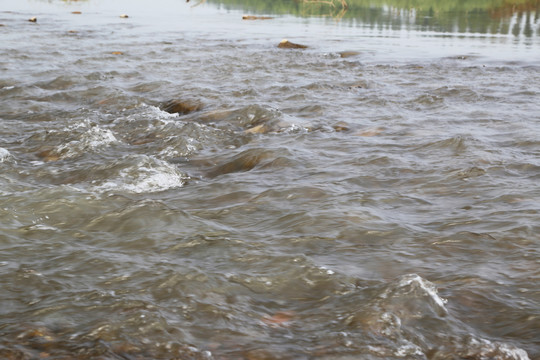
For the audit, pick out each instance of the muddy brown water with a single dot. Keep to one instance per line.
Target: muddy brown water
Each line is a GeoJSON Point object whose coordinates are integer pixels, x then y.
{"type": "Point", "coordinates": [309, 205]}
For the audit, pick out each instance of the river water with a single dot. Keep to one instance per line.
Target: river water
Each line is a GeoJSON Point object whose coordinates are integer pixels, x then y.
{"type": "Point", "coordinates": [374, 196]}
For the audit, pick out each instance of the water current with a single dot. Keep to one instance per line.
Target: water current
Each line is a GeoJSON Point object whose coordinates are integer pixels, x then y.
{"type": "Point", "coordinates": [175, 186]}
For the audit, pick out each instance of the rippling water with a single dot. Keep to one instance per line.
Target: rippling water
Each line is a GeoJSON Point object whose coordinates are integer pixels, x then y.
{"type": "Point", "coordinates": [379, 203]}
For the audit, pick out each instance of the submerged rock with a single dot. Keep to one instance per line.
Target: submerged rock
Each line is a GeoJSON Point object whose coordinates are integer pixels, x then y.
{"type": "Point", "coordinates": [245, 161]}
{"type": "Point", "coordinates": [341, 126]}
{"type": "Point", "coordinates": [369, 132]}
{"type": "Point", "coordinates": [124, 16]}
{"type": "Point", "coordinates": [33, 19]}
{"type": "Point", "coordinates": [48, 155]}
{"type": "Point", "coordinates": [181, 107]}
{"type": "Point", "coordinates": [286, 44]}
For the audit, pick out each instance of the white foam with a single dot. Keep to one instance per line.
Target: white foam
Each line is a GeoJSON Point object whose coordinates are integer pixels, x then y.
{"type": "Point", "coordinates": [408, 349]}
{"type": "Point", "coordinates": [150, 112]}
{"type": "Point", "coordinates": [4, 155]}
{"type": "Point", "coordinates": [150, 175]}
{"type": "Point", "coordinates": [92, 139]}
{"type": "Point", "coordinates": [486, 348]}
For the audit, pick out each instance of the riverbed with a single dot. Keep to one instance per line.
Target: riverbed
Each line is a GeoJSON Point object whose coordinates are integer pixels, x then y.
{"type": "Point", "coordinates": [372, 196]}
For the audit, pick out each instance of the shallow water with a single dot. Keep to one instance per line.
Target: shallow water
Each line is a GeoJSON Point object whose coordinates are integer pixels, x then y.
{"type": "Point", "coordinates": [381, 205]}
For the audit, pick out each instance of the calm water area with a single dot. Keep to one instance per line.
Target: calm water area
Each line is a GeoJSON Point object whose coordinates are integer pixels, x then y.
{"type": "Point", "coordinates": [173, 185]}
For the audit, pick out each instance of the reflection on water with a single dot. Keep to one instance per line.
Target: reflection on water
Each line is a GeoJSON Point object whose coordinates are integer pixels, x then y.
{"type": "Point", "coordinates": [517, 18]}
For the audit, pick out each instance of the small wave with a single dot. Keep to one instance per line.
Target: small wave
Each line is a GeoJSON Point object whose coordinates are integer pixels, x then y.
{"type": "Point", "coordinates": [414, 287]}
{"type": "Point", "coordinates": [161, 115]}
{"type": "Point", "coordinates": [147, 115]}
{"type": "Point", "coordinates": [458, 144]}
{"type": "Point", "coordinates": [145, 176]}
{"type": "Point", "coordinates": [254, 119]}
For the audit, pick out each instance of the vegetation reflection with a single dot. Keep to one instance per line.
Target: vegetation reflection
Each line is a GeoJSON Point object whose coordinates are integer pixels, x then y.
{"type": "Point", "coordinates": [516, 17]}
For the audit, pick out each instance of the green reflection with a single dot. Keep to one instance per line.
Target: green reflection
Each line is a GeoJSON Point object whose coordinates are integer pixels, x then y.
{"type": "Point", "coordinates": [517, 17]}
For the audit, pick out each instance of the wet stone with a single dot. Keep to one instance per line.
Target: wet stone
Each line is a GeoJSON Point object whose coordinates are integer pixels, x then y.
{"type": "Point", "coordinates": [181, 107]}
{"type": "Point", "coordinates": [33, 19]}
{"type": "Point", "coordinates": [286, 44]}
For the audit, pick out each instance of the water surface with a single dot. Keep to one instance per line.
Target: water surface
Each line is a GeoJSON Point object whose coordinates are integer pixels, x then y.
{"type": "Point", "coordinates": [374, 196]}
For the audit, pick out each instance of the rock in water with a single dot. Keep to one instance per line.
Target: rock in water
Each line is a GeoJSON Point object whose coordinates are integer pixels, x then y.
{"type": "Point", "coordinates": [252, 17]}
{"type": "Point", "coordinates": [346, 54]}
{"type": "Point", "coordinates": [286, 44]}
{"type": "Point", "coordinates": [181, 107]}
{"type": "Point", "coordinates": [33, 19]}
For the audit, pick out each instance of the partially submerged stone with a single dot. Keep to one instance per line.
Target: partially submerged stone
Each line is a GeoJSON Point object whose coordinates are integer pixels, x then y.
{"type": "Point", "coordinates": [117, 53]}
{"type": "Point", "coordinates": [286, 44]}
{"type": "Point", "coordinates": [124, 16]}
{"type": "Point", "coordinates": [76, 12]}
{"type": "Point", "coordinates": [181, 107]}
{"type": "Point", "coordinates": [252, 17]}
{"type": "Point", "coordinates": [346, 54]}
{"type": "Point", "coordinates": [33, 19]}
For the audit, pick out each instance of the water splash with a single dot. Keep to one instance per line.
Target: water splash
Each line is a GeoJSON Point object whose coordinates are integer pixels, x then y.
{"type": "Point", "coordinates": [145, 176]}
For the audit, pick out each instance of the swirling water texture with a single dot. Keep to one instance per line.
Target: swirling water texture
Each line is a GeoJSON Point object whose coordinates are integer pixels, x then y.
{"type": "Point", "coordinates": [315, 207]}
